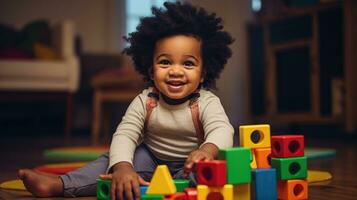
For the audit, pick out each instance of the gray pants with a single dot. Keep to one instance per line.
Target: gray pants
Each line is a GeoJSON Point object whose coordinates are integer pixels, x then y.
{"type": "Point", "coordinates": [82, 182]}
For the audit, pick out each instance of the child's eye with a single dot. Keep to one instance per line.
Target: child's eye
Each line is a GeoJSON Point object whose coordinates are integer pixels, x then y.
{"type": "Point", "coordinates": [164, 62]}
{"type": "Point", "coordinates": [189, 63]}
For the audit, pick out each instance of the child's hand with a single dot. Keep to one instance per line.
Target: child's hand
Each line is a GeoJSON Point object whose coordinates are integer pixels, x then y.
{"type": "Point", "coordinates": [125, 181]}
{"type": "Point", "coordinates": [207, 151]}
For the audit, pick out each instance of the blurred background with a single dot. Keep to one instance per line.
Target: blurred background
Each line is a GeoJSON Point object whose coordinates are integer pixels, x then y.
{"type": "Point", "coordinates": [62, 74]}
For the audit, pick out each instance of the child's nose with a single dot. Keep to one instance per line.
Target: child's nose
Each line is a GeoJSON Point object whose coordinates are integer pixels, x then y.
{"type": "Point", "coordinates": [176, 70]}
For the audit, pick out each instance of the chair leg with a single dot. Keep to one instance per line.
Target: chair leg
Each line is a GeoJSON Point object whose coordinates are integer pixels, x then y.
{"type": "Point", "coordinates": [69, 115]}
{"type": "Point", "coordinates": [97, 111]}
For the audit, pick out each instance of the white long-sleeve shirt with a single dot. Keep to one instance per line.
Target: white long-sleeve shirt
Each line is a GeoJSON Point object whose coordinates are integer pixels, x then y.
{"type": "Point", "coordinates": [170, 133]}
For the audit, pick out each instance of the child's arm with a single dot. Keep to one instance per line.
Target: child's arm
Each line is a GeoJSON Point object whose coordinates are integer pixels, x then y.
{"type": "Point", "coordinates": [207, 151]}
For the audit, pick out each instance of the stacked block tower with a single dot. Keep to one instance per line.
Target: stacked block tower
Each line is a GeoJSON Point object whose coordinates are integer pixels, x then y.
{"type": "Point", "coordinates": [261, 168]}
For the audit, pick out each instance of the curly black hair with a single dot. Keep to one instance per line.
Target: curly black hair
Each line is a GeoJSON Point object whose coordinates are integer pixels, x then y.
{"type": "Point", "coordinates": [179, 19]}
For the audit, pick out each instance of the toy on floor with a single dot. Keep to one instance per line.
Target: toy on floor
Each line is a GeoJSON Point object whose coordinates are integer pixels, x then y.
{"type": "Point", "coordinates": [261, 168]}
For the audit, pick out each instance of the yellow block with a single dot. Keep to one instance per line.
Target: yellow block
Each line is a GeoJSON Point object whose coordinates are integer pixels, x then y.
{"type": "Point", "coordinates": [262, 131]}
{"type": "Point", "coordinates": [241, 192]}
{"type": "Point", "coordinates": [203, 192]}
{"type": "Point", "coordinates": [13, 185]}
{"type": "Point", "coordinates": [161, 182]}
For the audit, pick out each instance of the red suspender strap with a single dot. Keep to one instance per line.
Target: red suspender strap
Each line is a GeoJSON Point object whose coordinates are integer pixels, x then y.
{"type": "Point", "coordinates": [151, 103]}
{"type": "Point", "coordinates": [196, 120]}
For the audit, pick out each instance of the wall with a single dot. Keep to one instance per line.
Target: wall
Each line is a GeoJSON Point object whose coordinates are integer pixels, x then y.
{"type": "Point", "coordinates": [97, 21]}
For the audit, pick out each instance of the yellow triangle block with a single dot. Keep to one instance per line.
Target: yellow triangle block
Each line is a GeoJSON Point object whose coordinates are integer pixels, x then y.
{"type": "Point", "coordinates": [13, 185]}
{"type": "Point", "coordinates": [161, 182]}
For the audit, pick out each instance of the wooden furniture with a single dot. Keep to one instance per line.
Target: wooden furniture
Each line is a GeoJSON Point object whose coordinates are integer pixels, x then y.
{"type": "Point", "coordinates": [28, 80]}
{"type": "Point", "coordinates": [303, 66]}
{"type": "Point", "coordinates": [112, 86]}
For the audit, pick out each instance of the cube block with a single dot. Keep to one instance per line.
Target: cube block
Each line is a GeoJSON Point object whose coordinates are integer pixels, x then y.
{"type": "Point", "coordinates": [290, 168]}
{"type": "Point", "coordinates": [103, 189]}
{"type": "Point", "coordinates": [152, 197]}
{"type": "Point", "coordinates": [285, 146]}
{"type": "Point", "coordinates": [293, 189]}
{"type": "Point", "coordinates": [211, 173]}
{"type": "Point", "coordinates": [254, 136]}
{"type": "Point", "coordinates": [241, 192]}
{"type": "Point", "coordinates": [181, 184]}
{"type": "Point", "coordinates": [191, 193]}
{"type": "Point", "coordinates": [176, 196]}
{"type": "Point", "coordinates": [238, 170]}
{"type": "Point", "coordinates": [263, 157]}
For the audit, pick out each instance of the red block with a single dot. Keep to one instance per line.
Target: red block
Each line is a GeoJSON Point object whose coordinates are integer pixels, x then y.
{"type": "Point", "coordinates": [211, 173]}
{"type": "Point", "coordinates": [286, 146]}
{"type": "Point", "coordinates": [191, 193]}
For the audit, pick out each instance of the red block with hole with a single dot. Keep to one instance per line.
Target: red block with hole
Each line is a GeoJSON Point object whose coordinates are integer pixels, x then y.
{"type": "Point", "coordinates": [191, 193]}
{"type": "Point", "coordinates": [293, 189]}
{"type": "Point", "coordinates": [211, 173]}
{"type": "Point", "coordinates": [286, 146]}
{"type": "Point", "coordinates": [263, 158]}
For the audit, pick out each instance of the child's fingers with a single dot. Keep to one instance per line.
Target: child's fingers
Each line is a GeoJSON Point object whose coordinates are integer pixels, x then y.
{"type": "Point", "coordinates": [142, 181]}
{"type": "Point", "coordinates": [106, 176]}
{"type": "Point", "coordinates": [128, 191]}
{"type": "Point", "coordinates": [136, 189]}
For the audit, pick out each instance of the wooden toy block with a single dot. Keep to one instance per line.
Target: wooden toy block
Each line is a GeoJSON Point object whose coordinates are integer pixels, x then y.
{"type": "Point", "coordinates": [253, 163]}
{"type": "Point", "coordinates": [152, 197]}
{"type": "Point", "coordinates": [191, 193]}
{"type": "Point", "coordinates": [254, 136]}
{"type": "Point", "coordinates": [205, 192]}
{"type": "Point", "coordinates": [211, 173]}
{"type": "Point", "coordinates": [292, 189]}
{"type": "Point", "coordinates": [238, 164]}
{"type": "Point", "coordinates": [241, 192]}
{"type": "Point", "coordinates": [176, 196]}
{"type": "Point", "coordinates": [263, 157]}
{"type": "Point", "coordinates": [290, 168]}
{"type": "Point", "coordinates": [264, 184]}
{"type": "Point", "coordinates": [103, 189]}
{"type": "Point", "coordinates": [181, 184]}
{"type": "Point", "coordinates": [285, 146]}
{"type": "Point", "coordinates": [161, 182]}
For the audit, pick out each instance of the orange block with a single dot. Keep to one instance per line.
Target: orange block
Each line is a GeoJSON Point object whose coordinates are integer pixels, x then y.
{"type": "Point", "coordinates": [262, 156]}
{"type": "Point", "coordinates": [293, 189]}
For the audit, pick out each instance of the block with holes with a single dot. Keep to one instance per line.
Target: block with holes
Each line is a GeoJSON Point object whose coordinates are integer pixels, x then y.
{"type": "Point", "coordinates": [254, 136]}
{"type": "Point", "coordinates": [284, 146]}
{"type": "Point", "coordinates": [238, 164]}
{"type": "Point", "coordinates": [290, 168]}
{"type": "Point", "coordinates": [205, 192]}
{"type": "Point", "coordinates": [103, 189]}
{"type": "Point", "coordinates": [264, 184]}
{"type": "Point", "coordinates": [292, 189]}
{"type": "Point", "coordinates": [211, 173]}
{"type": "Point", "coordinates": [176, 196]}
{"type": "Point", "coordinates": [263, 157]}
{"type": "Point", "coordinates": [241, 192]}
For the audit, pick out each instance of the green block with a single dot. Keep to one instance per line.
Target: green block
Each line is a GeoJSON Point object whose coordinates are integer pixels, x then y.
{"type": "Point", "coordinates": [238, 164]}
{"type": "Point", "coordinates": [103, 189]}
{"type": "Point", "coordinates": [152, 197]}
{"type": "Point", "coordinates": [181, 184]}
{"type": "Point", "coordinates": [290, 168]}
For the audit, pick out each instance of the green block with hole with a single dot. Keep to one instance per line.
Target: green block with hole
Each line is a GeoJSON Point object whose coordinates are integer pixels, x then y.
{"type": "Point", "coordinates": [181, 184]}
{"type": "Point", "coordinates": [152, 197]}
{"type": "Point", "coordinates": [290, 168]}
{"type": "Point", "coordinates": [103, 189]}
{"type": "Point", "coordinates": [238, 164]}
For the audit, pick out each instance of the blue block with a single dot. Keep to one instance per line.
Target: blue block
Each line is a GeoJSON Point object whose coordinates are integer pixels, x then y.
{"type": "Point", "coordinates": [264, 185]}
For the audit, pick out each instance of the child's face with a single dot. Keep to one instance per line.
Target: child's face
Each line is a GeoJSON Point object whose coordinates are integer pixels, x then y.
{"type": "Point", "coordinates": [177, 66]}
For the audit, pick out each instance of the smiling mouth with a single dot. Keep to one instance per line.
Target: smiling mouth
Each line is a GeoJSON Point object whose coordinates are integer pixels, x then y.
{"type": "Point", "coordinates": [175, 85]}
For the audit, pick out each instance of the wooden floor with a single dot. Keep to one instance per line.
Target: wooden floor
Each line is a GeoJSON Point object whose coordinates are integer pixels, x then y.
{"type": "Point", "coordinates": [27, 152]}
